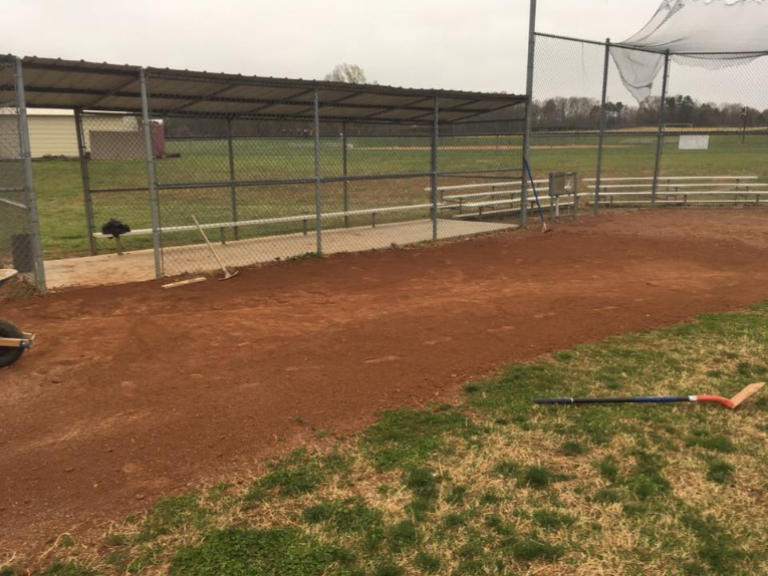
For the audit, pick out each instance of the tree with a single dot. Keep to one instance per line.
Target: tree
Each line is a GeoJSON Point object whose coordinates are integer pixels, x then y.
{"type": "Point", "coordinates": [349, 73]}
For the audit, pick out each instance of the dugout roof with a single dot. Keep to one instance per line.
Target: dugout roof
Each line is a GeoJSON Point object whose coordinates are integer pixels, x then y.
{"type": "Point", "coordinates": [69, 84]}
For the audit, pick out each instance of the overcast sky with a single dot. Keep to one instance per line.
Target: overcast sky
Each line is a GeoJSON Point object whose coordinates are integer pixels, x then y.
{"type": "Point", "coordinates": [461, 44]}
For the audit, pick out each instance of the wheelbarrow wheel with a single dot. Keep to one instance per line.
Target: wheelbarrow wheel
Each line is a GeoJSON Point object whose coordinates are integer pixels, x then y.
{"type": "Point", "coordinates": [9, 355]}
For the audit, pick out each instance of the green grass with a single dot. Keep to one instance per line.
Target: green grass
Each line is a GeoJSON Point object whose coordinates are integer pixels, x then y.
{"type": "Point", "coordinates": [497, 485]}
{"type": "Point", "coordinates": [62, 214]}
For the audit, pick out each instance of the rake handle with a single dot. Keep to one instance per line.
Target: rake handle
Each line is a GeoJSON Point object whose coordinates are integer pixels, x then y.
{"type": "Point", "coordinates": [633, 400]}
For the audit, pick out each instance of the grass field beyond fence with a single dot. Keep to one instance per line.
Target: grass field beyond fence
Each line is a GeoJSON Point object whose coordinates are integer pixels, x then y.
{"type": "Point", "coordinates": [60, 195]}
{"type": "Point", "coordinates": [495, 485]}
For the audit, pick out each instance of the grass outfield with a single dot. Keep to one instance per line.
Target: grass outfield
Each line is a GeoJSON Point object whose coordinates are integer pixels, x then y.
{"type": "Point", "coordinates": [60, 197]}
{"type": "Point", "coordinates": [495, 485]}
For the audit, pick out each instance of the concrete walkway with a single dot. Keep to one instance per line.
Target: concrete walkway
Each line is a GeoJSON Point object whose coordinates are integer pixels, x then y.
{"type": "Point", "coordinates": [139, 265]}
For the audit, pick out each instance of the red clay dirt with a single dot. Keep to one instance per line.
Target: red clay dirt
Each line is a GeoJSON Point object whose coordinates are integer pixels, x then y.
{"type": "Point", "coordinates": [133, 392]}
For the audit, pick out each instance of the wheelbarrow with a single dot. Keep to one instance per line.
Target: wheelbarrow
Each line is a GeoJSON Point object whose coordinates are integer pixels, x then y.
{"type": "Point", "coordinates": [13, 342]}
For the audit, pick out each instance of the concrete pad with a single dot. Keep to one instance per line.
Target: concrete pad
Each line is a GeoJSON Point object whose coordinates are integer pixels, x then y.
{"type": "Point", "coordinates": [139, 265]}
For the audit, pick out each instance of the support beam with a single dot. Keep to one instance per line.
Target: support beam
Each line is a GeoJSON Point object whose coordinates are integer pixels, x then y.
{"type": "Point", "coordinates": [29, 181]}
{"type": "Point", "coordinates": [82, 153]}
{"type": "Point", "coordinates": [318, 176]}
{"type": "Point", "coordinates": [660, 134]}
{"type": "Point", "coordinates": [232, 187]}
{"type": "Point", "coordinates": [433, 165]}
{"type": "Point", "coordinates": [154, 201]}
{"type": "Point", "coordinates": [601, 139]}
{"type": "Point", "coordinates": [528, 114]}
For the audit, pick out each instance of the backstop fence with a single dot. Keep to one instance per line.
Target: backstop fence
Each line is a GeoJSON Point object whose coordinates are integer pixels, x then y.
{"type": "Point", "coordinates": [700, 137]}
{"type": "Point", "coordinates": [20, 243]}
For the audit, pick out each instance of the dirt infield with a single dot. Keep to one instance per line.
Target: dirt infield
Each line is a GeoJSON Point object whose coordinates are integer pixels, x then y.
{"type": "Point", "coordinates": [134, 392]}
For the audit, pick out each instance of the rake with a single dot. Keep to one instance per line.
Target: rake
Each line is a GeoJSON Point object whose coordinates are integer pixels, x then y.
{"type": "Point", "coordinates": [544, 227]}
{"type": "Point", "coordinates": [730, 403]}
{"type": "Point", "coordinates": [227, 273]}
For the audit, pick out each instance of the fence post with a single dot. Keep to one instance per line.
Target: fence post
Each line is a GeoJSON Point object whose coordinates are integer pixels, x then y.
{"type": "Point", "coordinates": [154, 201]}
{"type": "Point", "coordinates": [85, 178]}
{"type": "Point", "coordinates": [232, 187]}
{"type": "Point", "coordinates": [29, 180]}
{"type": "Point", "coordinates": [318, 199]}
{"type": "Point", "coordinates": [601, 139]}
{"type": "Point", "coordinates": [433, 164]}
{"type": "Point", "coordinates": [528, 114]}
{"type": "Point", "coordinates": [344, 172]}
{"type": "Point", "coordinates": [660, 134]}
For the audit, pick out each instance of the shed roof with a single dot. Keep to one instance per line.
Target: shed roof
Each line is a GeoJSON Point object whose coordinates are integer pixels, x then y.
{"type": "Point", "coordinates": [68, 84]}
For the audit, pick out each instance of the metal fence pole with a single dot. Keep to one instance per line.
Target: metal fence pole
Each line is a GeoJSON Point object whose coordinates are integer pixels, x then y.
{"type": "Point", "coordinates": [433, 165]}
{"type": "Point", "coordinates": [344, 171]}
{"type": "Point", "coordinates": [528, 114]}
{"type": "Point", "coordinates": [318, 199]}
{"type": "Point", "coordinates": [29, 180]}
{"type": "Point", "coordinates": [232, 187]}
{"type": "Point", "coordinates": [85, 178]}
{"type": "Point", "coordinates": [601, 139]}
{"type": "Point", "coordinates": [660, 134]}
{"type": "Point", "coordinates": [150, 154]}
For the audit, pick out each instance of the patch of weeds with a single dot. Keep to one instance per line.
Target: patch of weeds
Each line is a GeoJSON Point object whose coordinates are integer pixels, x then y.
{"type": "Point", "coordinates": [7, 571]}
{"type": "Point", "coordinates": [255, 553]}
{"type": "Point", "coordinates": [608, 496]}
{"type": "Point", "coordinates": [719, 471]}
{"type": "Point", "coordinates": [646, 480]}
{"type": "Point", "coordinates": [496, 523]}
{"type": "Point", "coordinates": [297, 474]}
{"type": "Point", "coordinates": [423, 484]}
{"type": "Point", "coordinates": [490, 497]}
{"type": "Point", "coordinates": [456, 495]}
{"type": "Point", "coordinates": [538, 477]}
{"type": "Point", "coordinates": [407, 438]}
{"type": "Point", "coordinates": [711, 442]}
{"type": "Point", "coordinates": [119, 559]}
{"type": "Point", "coordinates": [453, 521]}
{"type": "Point", "coordinates": [149, 556]}
{"type": "Point", "coordinates": [388, 570]}
{"type": "Point", "coordinates": [402, 536]}
{"type": "Point", "coordinates": [533, 548]}
{"type": "Point", "coordinates": [507, 469]}
{"type": "Point", "coordinates": [66, 541]}
{"type": "Point", "coordinates": [552, 519]}
{"type": "Point", "coordinates": [563, 356]}
{"type": "Point", "coordinates": [472, 388]}
{"type": "Point", "coordinates": [350, 516]}
{"type": "Point", "coordinates": [574, 449]}
{"type": "Point", "coordinates": [427, 563]}
{"type": "Point", "coordinates": [608, 468]}
{"type": "Point", "coordinates": [714, 374]}
{"type": "Point", "coordinates": [115, 539]}
{"type": "Point", "coordinates": [718, 549]}
{"type": "Point", "coordinates": [171, 513]}
{"type": "Point", "coordinates": [69, 569]}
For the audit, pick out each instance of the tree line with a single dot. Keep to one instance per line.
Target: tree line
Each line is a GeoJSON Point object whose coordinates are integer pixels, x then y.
{"type": "Point", "coordinates": [579, 113]}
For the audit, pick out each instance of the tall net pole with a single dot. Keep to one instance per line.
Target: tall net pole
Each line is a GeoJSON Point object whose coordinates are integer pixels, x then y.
{"type": "Point", "coordinates": [660, 134]}
{"type": "Point", "coordinates": [528, 114]}
{"type": "Point", "coordinates": [601, 139]}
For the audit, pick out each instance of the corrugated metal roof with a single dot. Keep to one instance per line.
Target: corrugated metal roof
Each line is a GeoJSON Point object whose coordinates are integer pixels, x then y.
{"type": "Point", "coordinates": [56, 83]}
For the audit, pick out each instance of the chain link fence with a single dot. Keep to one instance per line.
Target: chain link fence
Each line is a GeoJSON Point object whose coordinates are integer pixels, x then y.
{"type": "Point", "coordinates": [19, 241]}
{"type": "Point", "coordinates": [705, 145]}
{"type": "Point", "coordinates": [266, 190]}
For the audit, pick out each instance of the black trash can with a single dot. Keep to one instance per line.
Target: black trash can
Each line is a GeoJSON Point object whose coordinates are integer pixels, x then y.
{"type": "Point", "coordinates": [21, 245]}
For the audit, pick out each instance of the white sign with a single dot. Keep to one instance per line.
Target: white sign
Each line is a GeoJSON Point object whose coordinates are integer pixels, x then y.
{"type": "Point", "coordinates": [694, 142]}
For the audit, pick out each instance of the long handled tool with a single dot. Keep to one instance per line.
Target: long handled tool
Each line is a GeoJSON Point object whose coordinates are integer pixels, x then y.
{"type": "Point", "coordinates": [544, 227]}
{"type": "Point", "coordinates": [227, 273]}
{"type": "Point", "coordinates": [731, 403]}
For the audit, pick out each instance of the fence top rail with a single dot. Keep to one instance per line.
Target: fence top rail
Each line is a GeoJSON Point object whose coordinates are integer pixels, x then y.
{"type": "Point", "coordinates": [737, 193]}
{"type": "Point", "coordinates": [668, 178]}
{"type": "Point", "coordinates": [751, 185]}
{"type": "Point", "coordinates": [483, 185]}
{"type": "Point", "coordinates": [275, 220]}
